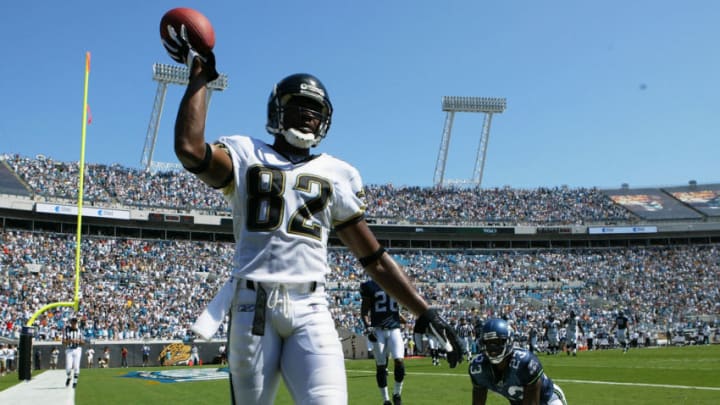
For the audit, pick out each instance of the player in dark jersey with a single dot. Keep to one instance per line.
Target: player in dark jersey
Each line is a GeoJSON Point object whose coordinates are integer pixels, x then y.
{"type": "Point", "coordinates": [622, 331]}
{"type": "Point", "coordinates": [512, 372]}
{"type": "Point", "coordinates": [381, 316]}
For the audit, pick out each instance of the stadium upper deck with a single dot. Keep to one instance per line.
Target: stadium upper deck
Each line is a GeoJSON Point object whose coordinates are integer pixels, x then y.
{"type": "Point", "coordinates": [44, 179]}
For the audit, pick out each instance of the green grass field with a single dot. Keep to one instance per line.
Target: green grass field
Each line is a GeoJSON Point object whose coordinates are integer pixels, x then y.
{"type": "Point", "coordinates": [687, 375]}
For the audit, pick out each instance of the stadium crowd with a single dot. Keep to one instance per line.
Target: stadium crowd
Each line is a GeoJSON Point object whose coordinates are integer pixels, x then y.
{"type": "Point", "coordinates": [117, 185]}
{"type": "Point", "coordinates": [135, 288]}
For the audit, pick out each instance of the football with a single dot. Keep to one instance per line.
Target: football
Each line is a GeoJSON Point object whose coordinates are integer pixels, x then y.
{"type": "Point", "coordinates": [201, 35]}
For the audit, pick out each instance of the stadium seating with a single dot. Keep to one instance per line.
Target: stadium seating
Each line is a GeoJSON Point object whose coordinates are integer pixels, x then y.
{"type": "Point", "coordinates": [153, 288]}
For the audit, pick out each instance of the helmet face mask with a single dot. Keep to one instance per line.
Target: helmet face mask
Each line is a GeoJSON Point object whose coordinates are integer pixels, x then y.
{"type": "Point", "coordinates": [495, 350]}
{"type": "Point", "coordinates": [299, 110]}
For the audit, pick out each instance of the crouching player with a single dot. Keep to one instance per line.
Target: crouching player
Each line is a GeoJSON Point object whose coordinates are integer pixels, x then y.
{"type": "Point", "coordinates": [512, 372]}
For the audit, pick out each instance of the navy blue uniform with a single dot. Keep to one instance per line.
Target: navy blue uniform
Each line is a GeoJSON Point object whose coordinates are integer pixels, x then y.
{"type": "Point", "coordinates": [523, 369]}
{"type": "Point", "coordinates": [387, 341]}
{"type": "Point", "coordinates": [622, 322]}
{"type": "Point", "coordinates": [384, 310]}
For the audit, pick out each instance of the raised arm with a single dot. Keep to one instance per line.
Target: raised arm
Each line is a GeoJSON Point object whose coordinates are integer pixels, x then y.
{"type": "Point", "coordinates": [210, 164]}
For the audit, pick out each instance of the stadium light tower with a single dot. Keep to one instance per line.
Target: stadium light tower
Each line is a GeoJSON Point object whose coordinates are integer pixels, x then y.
{"type": "Point", "coordinates": [453, 104]}
{"type": "Point", "coordinates": [164, 75]}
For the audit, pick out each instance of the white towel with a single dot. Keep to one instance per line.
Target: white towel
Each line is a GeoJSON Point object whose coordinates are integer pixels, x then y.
{"type": "Point", "coordinates": [209, 321]}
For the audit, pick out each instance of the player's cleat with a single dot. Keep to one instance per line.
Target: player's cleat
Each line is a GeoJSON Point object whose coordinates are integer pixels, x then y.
{"type": "Point", "coordinates": [396, 399]}
{"type": "Point", "coordinates": [67, 382]}
{"type": "Point", "coordinates": [387, 403]}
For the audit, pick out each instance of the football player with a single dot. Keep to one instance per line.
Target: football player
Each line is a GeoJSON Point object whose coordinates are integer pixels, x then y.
{"type": "Point", "coordinates": [426, 344]}
{"type": "Point", "coordinates": [285, 201]}
{"type": "Point", "coordinates": [433, 349]}
{"type": "Point", "coordinates": [622, 331]}
{"type": "Point", "coordinates": [512, 372]}
{"type": "Point", "coordinates": [573, 330]}
{"type": "Point", "coordinates": [552, 334]}
{"type": "Point", "coordinates": [381, 317]}
{"type": "Point", "coordinates": [533, 338]}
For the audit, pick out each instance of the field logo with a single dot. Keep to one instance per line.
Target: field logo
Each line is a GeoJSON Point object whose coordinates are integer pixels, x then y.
{"type": "Point", "coordinates": [181, 375]}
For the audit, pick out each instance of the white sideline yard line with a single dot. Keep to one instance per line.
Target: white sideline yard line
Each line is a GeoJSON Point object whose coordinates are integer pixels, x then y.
{"type": "Point", "coordinates": [679, 387]}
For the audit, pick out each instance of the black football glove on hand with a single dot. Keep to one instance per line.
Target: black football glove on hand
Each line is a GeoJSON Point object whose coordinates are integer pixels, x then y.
{"type": "Point", "coordinates": [431, 323]}
{"type": "Point", "coordinates": [370, 333]}
{"type": "Point", "coordinates": [181, 51]}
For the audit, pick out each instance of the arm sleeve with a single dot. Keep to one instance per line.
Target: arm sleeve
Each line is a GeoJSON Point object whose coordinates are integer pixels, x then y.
{"type": "Point", "coordinates": [349, 204]}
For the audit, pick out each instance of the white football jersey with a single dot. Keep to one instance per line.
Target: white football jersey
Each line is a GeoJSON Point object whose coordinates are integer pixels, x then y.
{"type": "Point", "coordinates": [573, 327]}
{"type": "Point", "coordinates": [283, 211]}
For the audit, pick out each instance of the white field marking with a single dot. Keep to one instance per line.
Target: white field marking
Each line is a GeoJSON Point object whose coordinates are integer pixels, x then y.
{"type": "Point", "coordinates": [679, 387]}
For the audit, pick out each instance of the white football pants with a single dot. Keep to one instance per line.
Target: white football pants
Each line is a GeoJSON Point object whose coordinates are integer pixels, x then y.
{"type": "Point", "coordinates": [389, 344]}
{"type": "Point", "coordinates": [72, 360]}
{"type": "Point", "coordinates": [300, 344]}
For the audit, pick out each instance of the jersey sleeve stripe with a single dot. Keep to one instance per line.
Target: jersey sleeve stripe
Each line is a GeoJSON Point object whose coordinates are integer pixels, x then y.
{"type": "Point", "coordinates": [350, 221]}
{"type": "Point", "coordinates": [539, 375]}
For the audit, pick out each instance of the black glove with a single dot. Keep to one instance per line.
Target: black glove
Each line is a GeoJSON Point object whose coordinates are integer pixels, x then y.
{"type": "Point", "coordinates": [431, 323]}
{"type": "Point", "coordinates": [370, 333]}
{"type": "Point", "coordinates": [179, 48]}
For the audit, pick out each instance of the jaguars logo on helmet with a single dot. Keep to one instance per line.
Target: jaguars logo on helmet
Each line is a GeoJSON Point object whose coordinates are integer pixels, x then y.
{"type": "Point", "coordinates": [298, 85]}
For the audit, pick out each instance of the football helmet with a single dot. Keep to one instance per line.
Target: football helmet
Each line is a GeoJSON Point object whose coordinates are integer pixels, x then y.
{"type": "Point", "coordinates": [496, 340]}
{"type": "Point", "coordinates": [299, 85]}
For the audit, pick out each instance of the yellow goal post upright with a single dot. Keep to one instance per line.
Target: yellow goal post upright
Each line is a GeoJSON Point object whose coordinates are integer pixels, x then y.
{"type": "Point", "coordinates": [28, 330]}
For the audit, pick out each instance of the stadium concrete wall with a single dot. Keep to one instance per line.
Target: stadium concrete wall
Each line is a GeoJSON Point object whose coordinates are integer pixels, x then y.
{"type": "Point", "coordinates": [208, 352]}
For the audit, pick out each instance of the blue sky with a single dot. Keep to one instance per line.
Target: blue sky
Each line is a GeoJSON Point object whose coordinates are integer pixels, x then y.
{"type": "Point", "coordinates": [599, 93]}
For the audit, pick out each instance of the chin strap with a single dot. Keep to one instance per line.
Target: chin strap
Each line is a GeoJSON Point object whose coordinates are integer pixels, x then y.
{"type": "Point", "coordinates": [299, 139]}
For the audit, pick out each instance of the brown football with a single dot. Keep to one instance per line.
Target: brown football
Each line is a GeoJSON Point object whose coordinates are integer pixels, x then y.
{"type": "Point", "coordinates": [200, 32]}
